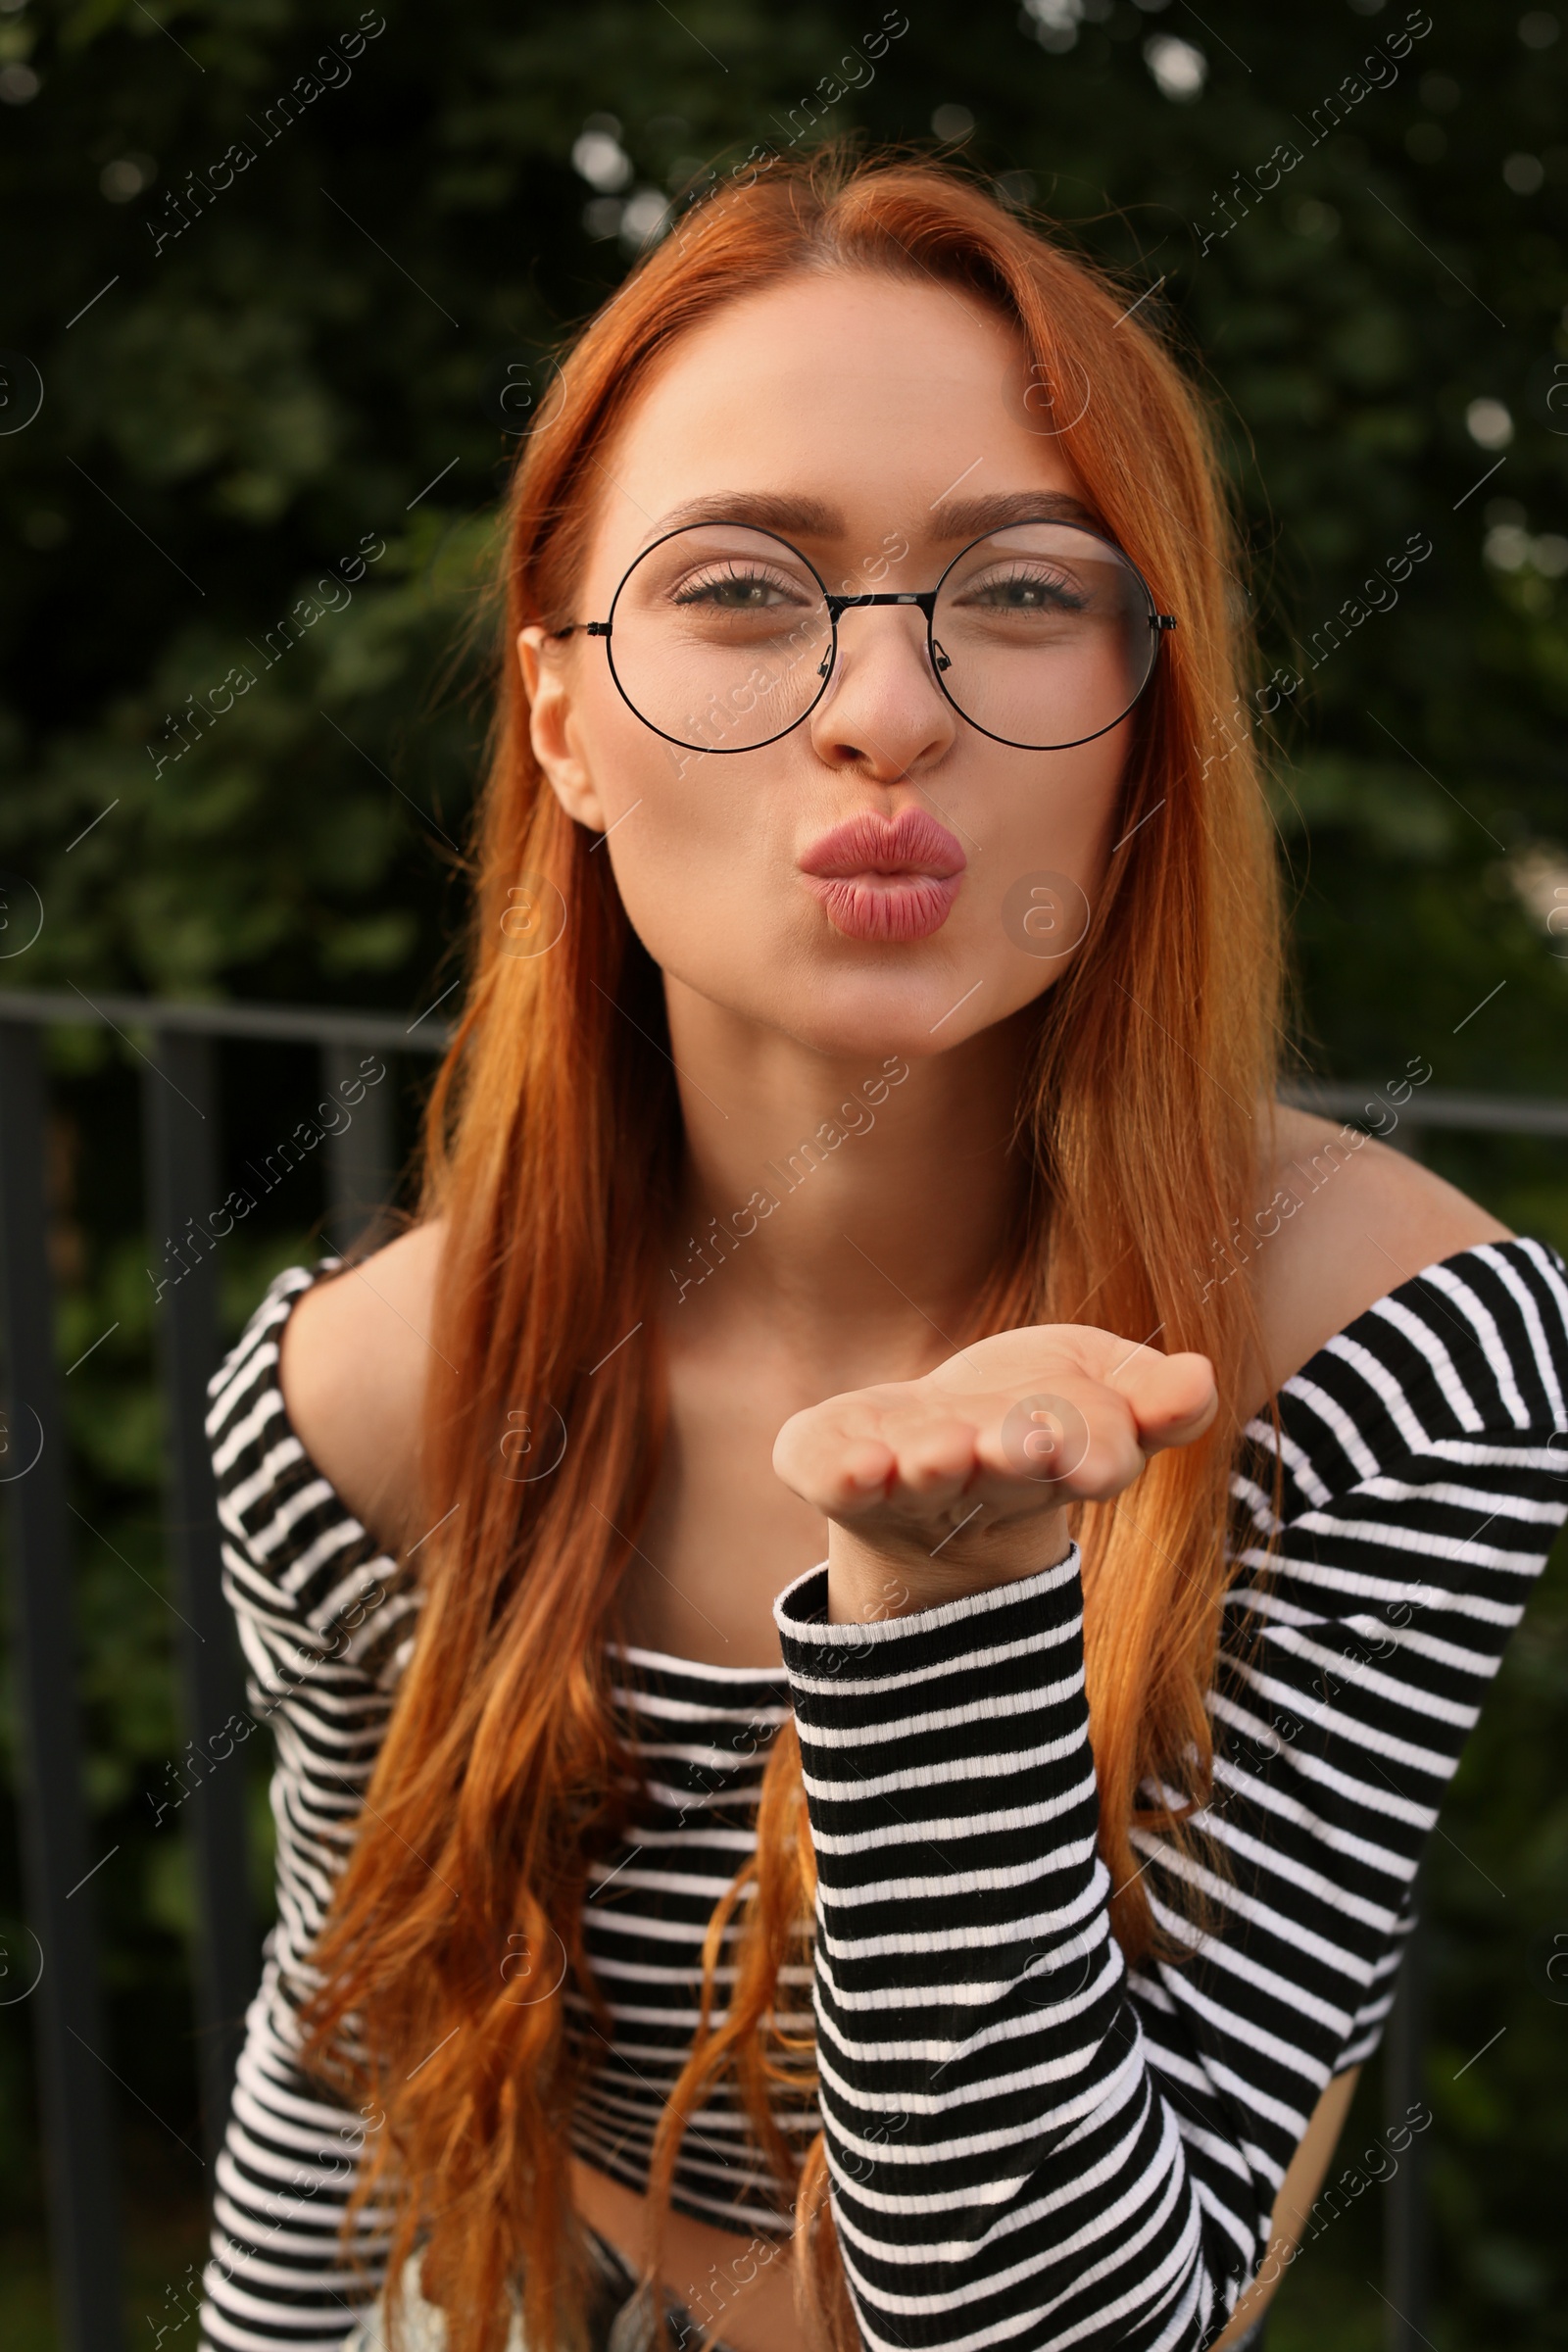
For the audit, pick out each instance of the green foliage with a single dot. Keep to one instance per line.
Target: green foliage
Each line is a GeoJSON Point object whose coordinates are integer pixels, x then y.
{"type": "Point", "coordinates": [310, 367]}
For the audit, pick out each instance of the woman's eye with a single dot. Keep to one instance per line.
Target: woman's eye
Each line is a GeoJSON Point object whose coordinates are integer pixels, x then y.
{"type": "Point", "coordinates": [1025, 592]}
{"type": "Point", "coordinates": [735, 592]}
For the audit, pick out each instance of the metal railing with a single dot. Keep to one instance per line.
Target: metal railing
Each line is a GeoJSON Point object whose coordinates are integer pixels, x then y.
{"type": "Point", "coordinates": [176, 1045]}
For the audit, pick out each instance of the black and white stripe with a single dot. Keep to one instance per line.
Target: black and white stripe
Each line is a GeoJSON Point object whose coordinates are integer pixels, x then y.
{"type": "Point", "coordinates": [1030, 2144]}
{"type": "Point", "coordinates": [704, 1734]}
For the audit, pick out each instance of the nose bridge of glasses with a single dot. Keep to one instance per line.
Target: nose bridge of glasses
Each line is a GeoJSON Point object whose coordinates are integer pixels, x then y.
{"type": "Point", "coordinates": [922, 600]}
{"type": "Point", "coordinates": [925, 598]}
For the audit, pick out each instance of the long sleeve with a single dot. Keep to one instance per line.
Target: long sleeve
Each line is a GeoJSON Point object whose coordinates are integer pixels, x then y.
{"type": "Point", "coordinates": [1028, 2145]}
{"type": "Point", "coordinates": [325, 1622]}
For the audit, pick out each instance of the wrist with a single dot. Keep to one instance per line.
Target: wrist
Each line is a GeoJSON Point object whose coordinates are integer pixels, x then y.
{"type": "Point", "coordinates": [890, 1576]}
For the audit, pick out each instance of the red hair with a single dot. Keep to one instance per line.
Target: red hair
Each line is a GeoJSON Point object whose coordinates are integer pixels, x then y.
{"type": "Point", "coordinates": [553, 1147]}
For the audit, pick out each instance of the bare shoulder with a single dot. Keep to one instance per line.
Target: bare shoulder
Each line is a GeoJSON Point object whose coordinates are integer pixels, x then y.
{"type": "Point", "coordinates": [1347, 1219]}
{"type": "Point", "coordinates": [353, 1372]}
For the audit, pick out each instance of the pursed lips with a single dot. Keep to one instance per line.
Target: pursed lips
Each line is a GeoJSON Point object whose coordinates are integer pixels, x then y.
{"type": "Point", "coordinates": [886, 879]}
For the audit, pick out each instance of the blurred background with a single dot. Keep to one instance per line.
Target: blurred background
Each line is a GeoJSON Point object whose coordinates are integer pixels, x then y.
{"type": "Point", "coordinates": [280, 284]}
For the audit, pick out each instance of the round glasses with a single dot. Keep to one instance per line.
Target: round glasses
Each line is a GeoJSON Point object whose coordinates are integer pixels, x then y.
{"type": "Point", "coordinates": [722, 638]}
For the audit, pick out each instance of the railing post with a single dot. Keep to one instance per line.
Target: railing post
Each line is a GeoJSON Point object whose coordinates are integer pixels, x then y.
{"type": "Point", "coordinates": [1404, 2226]}
{"type": "Point", "coordinates": [359, 1160]}
{"type": "Point", "coordinates": [179, 1099]}
{"type": "Point", "coordinates": [71, 2041]}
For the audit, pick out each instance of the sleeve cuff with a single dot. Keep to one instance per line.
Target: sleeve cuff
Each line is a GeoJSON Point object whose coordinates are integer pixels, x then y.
{"type": "Point", "coordinates": [1020, 1607]}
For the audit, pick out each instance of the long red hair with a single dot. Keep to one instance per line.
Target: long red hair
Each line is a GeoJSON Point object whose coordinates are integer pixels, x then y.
{"type": "Point", "coordinates": [553, 1149]}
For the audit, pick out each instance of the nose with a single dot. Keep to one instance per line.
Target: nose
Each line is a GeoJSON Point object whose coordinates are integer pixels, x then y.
{"type": "Point", "coordinates": [883, 711]}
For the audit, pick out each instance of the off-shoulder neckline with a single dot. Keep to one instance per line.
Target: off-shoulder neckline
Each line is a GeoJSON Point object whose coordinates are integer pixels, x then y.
{"type": "Point", "coordinates": [1376, 1310]}
{"type": "Point", "coordinates": [660, 1661]}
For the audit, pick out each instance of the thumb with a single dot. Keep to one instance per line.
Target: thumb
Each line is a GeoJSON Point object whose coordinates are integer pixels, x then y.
{"type": "Point", "coordinates": [1173, 1398]}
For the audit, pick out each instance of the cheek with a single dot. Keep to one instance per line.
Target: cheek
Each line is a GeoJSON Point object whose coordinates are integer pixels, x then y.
{"type": "Point", "coordinates": [689, 839]}
{"type": "Point", "coordinates": [1050, 839]}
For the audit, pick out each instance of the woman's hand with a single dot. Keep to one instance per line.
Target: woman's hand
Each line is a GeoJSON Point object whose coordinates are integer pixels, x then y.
{"type": "Point", "coordinates": [939, 1487]}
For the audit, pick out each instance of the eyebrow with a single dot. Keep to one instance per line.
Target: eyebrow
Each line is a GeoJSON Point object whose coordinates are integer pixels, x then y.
{"type": "Point", "coordinates": [762, 510]}
{"type": "Point", "coordinates": [972, 517]}
{"type": "Point", "coordinates": [814, 519]}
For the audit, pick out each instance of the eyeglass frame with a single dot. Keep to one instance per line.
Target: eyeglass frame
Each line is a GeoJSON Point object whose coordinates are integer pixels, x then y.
{"type": "Point", "coordinates": [924, 598]}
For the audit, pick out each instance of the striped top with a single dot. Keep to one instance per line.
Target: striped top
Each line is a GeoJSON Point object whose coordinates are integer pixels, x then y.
{"type": "Point", "coordinates": [704, 1733]}
{"type": "Point", "coordinates": [1030, 2144]}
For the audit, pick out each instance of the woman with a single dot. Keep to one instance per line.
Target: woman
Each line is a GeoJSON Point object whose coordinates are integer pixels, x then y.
{"type": "Point", "coordinates": [866, 1619]}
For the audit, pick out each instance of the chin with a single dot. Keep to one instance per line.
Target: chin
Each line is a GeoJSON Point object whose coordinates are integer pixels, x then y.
{"type": "Point", "coordinates": [911, 1011]}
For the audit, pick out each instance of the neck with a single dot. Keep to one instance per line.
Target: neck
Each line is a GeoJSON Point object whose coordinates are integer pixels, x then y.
{"type": "Point", "coordinates": [852, 1207]}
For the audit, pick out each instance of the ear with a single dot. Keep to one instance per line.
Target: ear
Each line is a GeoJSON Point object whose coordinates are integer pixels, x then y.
{"type": "Point", "coordinates": [546, 674]}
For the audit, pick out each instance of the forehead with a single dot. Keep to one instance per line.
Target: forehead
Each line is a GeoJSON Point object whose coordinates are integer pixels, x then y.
{"type": "Point", "coordinates": [866, 405]}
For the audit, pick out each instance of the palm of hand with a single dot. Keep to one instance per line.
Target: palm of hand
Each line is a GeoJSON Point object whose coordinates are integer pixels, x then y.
{"type": "Point", "coordinates": [1000, 1437]}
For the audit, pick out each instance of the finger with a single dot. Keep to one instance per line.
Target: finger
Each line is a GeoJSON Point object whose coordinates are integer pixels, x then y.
{"type": "Point", "coordinates": [831, 1465]}
{"type": "Point", "coordinates": [934, 1450]}
{"type": "Point", "coordinates": [844, 1468]}
{"type": "Point", "coordinates": [1173, 1397]}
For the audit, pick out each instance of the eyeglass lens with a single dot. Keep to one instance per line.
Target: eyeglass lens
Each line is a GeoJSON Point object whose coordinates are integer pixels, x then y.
{"type": "Point", "coordinates": [1041, 634]}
